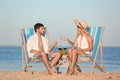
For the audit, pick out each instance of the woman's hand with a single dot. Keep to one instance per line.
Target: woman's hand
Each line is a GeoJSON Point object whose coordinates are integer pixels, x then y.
{"type": "Point", "coordinates": [63, 38]}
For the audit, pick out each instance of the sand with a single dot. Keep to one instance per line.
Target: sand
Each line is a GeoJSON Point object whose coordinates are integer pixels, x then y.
{"type": "Point", "coordinates": [40, 75]}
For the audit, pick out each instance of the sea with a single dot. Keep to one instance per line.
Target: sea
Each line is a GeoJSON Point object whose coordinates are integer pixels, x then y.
{"type": "Point", "coordinates": [11, 59]}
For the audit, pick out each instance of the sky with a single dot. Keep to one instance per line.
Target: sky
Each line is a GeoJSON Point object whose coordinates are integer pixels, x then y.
{"type": "Point", "coordinates": [58, 16]}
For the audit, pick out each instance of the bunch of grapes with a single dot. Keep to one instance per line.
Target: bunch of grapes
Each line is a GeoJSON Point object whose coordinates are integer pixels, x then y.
{"type": "Point", "coordinates": [62, 51]}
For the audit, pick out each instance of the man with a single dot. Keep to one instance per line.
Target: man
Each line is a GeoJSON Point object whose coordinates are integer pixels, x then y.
{"type": "Point", "coordinates": [37, 45]}
{"type": "Point", "coordinates": [83, 41]}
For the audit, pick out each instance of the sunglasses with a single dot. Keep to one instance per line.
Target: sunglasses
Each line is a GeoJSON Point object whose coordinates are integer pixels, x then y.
{"type": "Point", "coordinates": [62, 48]}
{"type": "Point", "coordinates": [59, 48]}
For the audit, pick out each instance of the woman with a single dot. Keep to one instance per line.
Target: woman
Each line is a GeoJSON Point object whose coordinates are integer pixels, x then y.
{"type": "Point", "coordinates": [83, 41]}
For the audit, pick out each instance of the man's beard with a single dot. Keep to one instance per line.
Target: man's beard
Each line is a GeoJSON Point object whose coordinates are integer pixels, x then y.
{"type": "Point", "coordinates": [41, 33]}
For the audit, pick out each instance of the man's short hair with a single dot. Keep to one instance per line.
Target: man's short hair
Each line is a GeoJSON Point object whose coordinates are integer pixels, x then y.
{"type": "Point", "coordinates": [37, 26]}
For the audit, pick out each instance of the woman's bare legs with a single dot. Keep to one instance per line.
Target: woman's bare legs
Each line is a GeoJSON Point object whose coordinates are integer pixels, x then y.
{"type": "Point", "coordinates": [74, 59]}
{"type": "Point", "coordinates": [75, 54]}
{"type": "Point", "coordinates": [70, 52]}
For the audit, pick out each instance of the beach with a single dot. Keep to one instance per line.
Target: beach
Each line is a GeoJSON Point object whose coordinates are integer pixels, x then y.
{"type": "Point", "coordinates": [41, 75]}
{"type": "Point", "coordinates": [11, 67]}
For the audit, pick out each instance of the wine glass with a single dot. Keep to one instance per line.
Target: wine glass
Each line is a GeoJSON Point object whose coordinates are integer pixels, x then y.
{"type": "Point", "coordinates": [59, 48]}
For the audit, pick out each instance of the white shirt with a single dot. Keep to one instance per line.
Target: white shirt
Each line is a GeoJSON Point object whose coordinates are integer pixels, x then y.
{"type": "Point", "coordinates": [83, 43]}
{"type": "Point", "coordinates": [32, 43]}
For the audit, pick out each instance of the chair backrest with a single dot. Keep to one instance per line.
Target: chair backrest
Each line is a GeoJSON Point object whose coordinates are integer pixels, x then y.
{"type": "Point", "coordinates": [96, 34]}
{"type": "Point", "coordinates": [27, 32]}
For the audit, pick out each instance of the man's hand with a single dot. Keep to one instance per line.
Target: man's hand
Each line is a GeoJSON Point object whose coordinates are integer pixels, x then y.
{"type": "Point", "coordinates": [55, 43]}
{"type": "Point", "coordinates": [33, 51]}
{"type": "Point", "coordinates": [52, 46]}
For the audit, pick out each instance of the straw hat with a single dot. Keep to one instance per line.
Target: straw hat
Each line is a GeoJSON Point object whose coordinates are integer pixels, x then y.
{"type": "Point", "coordinates": [83, 24]}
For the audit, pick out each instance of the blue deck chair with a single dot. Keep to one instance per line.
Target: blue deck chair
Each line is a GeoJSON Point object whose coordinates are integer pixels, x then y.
{"type": "Point", "coordinates": [96, 33]}
{"type": "Point", "coordinates": [25, 34]}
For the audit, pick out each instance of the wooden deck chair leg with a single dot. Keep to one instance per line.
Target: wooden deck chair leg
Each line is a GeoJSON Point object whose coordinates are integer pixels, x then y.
{"type": "Point", "coordinates": [93, 66]}
{"type": "Point", "coordinates": [101, 54]}
{"type": "Point", "coordinates": [75, 70]}
{"type": "Point", "coordinates": [26, 66]}
{"type": "Point", "coordinates": [57, 68]}
{"type": "Point", "coordinates": [67, 67]}
{"type": "Point", "coordinates": [23, 57]}
{"type": "Point", "coordinates": [78, 68]}
{"type": "Point", "coordinates": [99, 67]}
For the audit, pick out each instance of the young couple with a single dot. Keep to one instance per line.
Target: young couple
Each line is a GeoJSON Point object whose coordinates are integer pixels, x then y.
{"type": "Point", "coordinates": [37, 45]}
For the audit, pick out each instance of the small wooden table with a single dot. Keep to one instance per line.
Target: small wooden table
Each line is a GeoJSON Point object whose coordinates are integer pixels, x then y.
{"type": "Point", "coordinates": [64, 62]}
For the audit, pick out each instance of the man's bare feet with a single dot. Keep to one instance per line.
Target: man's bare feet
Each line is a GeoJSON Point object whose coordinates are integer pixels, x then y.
{"type": "Point", "coordinates": [52, 73]}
